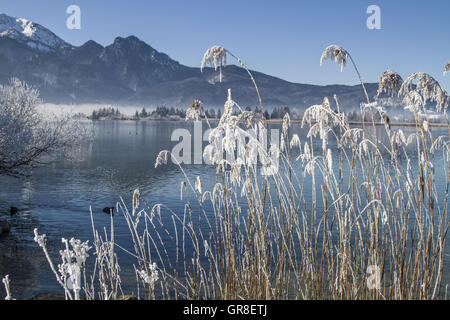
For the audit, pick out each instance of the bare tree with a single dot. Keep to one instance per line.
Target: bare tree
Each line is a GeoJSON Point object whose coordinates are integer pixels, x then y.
{"type": "Point", "coordinates": [28, 137]}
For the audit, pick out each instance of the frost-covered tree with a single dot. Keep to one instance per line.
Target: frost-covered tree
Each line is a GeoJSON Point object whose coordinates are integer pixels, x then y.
{"type": "Point", "coordinates": [143, 113]}
{"type": "Point", "coordinates": [28, 137]}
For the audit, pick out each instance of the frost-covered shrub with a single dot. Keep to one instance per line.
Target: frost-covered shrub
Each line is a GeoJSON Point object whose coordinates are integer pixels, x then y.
{"type": "Point", "coordinates": [28, 137]}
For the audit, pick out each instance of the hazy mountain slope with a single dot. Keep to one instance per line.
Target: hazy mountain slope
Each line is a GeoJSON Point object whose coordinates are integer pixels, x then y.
{"type": "Point", "coordinates": [129, 71]}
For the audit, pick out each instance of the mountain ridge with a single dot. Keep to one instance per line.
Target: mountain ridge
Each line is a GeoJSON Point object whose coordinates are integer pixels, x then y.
{"type": "Point", "coordinates": [32, 34]}
{"type": "Point", "coordinates": [129, 71]}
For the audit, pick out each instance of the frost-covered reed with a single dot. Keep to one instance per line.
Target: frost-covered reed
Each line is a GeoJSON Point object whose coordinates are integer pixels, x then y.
{"type": "Point", "coordinates": [317, 217]}
{"type": "Point", "coordinates": [6, 283]}
{"type": "Point", "coordinates": [427, 88]}
{"type": "Point", "coordinates": [340, 56]}
{"type": "Point", "coordinates": [390, 82]}
{"type": "Point", "coordinates": [217, 56]}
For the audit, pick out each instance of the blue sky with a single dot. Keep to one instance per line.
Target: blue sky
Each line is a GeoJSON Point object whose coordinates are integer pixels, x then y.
{"type": "Point", "coordinates": [280, 38]}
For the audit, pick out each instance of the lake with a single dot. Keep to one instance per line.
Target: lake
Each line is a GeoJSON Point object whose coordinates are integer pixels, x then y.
{"type": "Point", "coordinates": [57, 198]}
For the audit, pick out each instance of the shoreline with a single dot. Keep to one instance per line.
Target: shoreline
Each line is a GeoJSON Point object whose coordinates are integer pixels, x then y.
{"type": "Point", "coordinates": [280, 121]}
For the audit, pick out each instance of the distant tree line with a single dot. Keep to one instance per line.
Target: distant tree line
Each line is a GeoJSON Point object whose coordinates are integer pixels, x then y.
{"type": "Point", "coordinates": [280, 112]}
{"type": "Point", "coordinates": [357, 116]}
{"type": "Point", "coordinates": [163, 112]}
{"type": "Point", "coordinates": [104, 112]}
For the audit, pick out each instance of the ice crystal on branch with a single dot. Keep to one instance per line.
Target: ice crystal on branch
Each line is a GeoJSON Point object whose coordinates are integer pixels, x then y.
{"type": "Point", "coordinates": [73, 261]}
{"type": "Point", "coordinates": [40, 239]}
{"type": "Point", "coordinates": [72, 266]}
{"type": "Point", "coordinates": [150, 277]}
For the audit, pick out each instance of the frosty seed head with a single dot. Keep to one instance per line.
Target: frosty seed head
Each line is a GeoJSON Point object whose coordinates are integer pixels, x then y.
{"type": "Point", "coordinates": [6, 284]}
{"type": "Point", "coordinates": [162, 158]}
{"type": "Point", "coordinates": [306, 156]}
{"type": "Point", "coordinates": [390, 82]}
{"type": "Point", "coordinates": [399, 138]}
{"type": "Point", "coordinates": [205, 244]}
{"type": "Point", "coordinates": [426, 126]}
{"type": "Point", "coordinates": [194, 110]}
{"type": "Point", "coordinates": [384, 217]}
{"type": "Point", "coordinates": [336, 53]}
{"type": "Point", "coordinates": [39, 239]}
{"type": "Point", "coordinates": [247, 117]}
{"type": "Point", "coordinates": [198, 185]}
{"type": "Point", "coordinates": [427, 87]}
{"type": "Point", "coordinates": [286, 123]}
{"type": "Point", "coordinates": [209, 154]}
{"type": "Point", "coordinates": [447, 68]}
{"type": "Point", "coordinates": [215, 56]}
{"type": "Point", "coordinates": [387, 121]}
{"type": "Point", "coordinates": [413, 101]}
{"type": "Point", "coordinates": [329, 159]}
{"type": "Point", "coordinates": [136, 195]}
{"type": "Point", "coordinates": [295, 141]}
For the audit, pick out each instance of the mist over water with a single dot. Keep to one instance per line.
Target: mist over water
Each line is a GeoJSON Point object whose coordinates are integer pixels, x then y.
{"type": "Point", "coordinates": [87, 109]}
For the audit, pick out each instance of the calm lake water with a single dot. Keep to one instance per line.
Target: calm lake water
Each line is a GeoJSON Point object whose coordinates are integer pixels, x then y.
{"type": "Point", "coordinates": [57, 199]}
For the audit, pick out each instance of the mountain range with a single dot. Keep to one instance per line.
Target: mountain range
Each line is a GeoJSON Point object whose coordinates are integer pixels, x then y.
{"type": "Point", "coordinates": [131, 72]}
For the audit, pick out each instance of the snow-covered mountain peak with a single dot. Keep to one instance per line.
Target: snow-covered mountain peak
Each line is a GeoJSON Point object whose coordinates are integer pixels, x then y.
{"type": "Point", "coordinates": [32, 34]}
